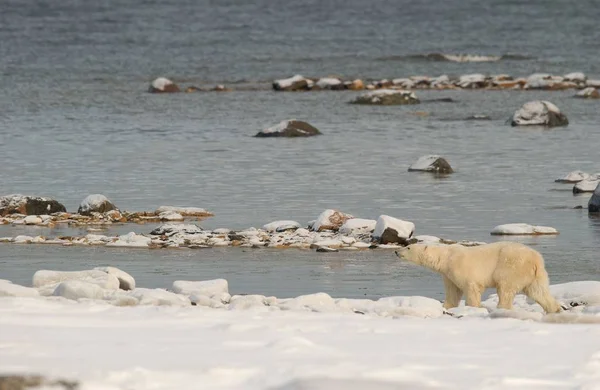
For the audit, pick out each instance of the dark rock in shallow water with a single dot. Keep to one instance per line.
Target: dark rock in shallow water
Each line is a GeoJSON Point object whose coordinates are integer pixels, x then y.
{"type": "Point", "coordinates": [433, 163]}
{"type": "Point", "coordinates": [539, 113]}
{"type": "Point", "coordinates": [29, 205]}
{"type": "Point", "coordinates": [594, 203]}
{"type": "Point", "coordinates": [290, 128]}
{"type": "Point", "coordinates": [387, 97]}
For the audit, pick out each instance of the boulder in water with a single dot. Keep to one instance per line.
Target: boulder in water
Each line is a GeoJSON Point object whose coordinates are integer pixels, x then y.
{"type": "Point", "coordinates": [95, 203]}
{"type": "Point", "coordinates": [586, 185]}
{"type": "Point", "coordinates": [594, 203]}
{"type": "Point", "coordinates": [29, 205]}
{"type": "Point", "coordinates": [540, 113]}
{"type": "Point", "coordinates": [431, 163]}
{"type": "Point", "coordinates": [163, 85]}
{"type": "Point", "coordinates": [387, 97]}
{"type": "Point", "coordinates": [332, 83]}
{"type": "Point", "coordinates": [290, 128]}
{"type": "Point", "coordinates": [588, 93]}
{"type": "Point", "coordinates": [390, 230]}
{"type": "Point", "coordinates": [295, 83]}
{"type": "Point", "coordinates": [330, 220]}
{"type": "Point", "coordinates": [573, 177]}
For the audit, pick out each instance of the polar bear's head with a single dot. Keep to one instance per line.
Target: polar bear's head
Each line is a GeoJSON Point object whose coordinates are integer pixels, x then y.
{"type": "Point", "coordinates": [414, 253]}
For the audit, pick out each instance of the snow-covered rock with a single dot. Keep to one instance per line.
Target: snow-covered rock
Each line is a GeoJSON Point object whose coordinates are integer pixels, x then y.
{"type": "Point", "coordinates": [588, 93]}
{"type": "Point", "coordinates": [32, 220]}
{"type": "Point", "coordinates": [126, 281]}
{"type": "Point", "coordinates": [594, 202]}
{"type": "Point", "coordinates": [131, 240]}
{"type": "Point", "coordinates": [47, 278]}
{"type": "Point", "coordinates": [330, 220]}
{"type": "Point", "coordinates": [541, 113]}
{"type": "Point", "coordinates": [577, 77]}
{"type": "Point", "coordinates": [573, 177]}
{"type": "Point", "coordinates": [387, 97]}
{"type": "Point", "coordinates": [593, 83]}
{"type": "Point", "coordinates": [170, 229]}
{"type": "Point", "coordinates": [163, 85]}
{"type": "Point", "coordinates": [290, 128]}
{"type": "Point", "coordinates": [390, 230]}
{"type": "Point", "coordinates": [170, 216]}
{"type": "Point", "coordinates": [355, 226]}
{"type": "Point", "coordinates": [29, 205]}
{"type": "Point", "coordinates": [431, 163]}
{"type": "Point", "coordinates": [586, 185]}
{"type": "Point", "coordinates": [185, 211]}
{"type": "Point", "coordinates": [295, 83]}
{"type": "Point", "coordinates": [95, 203]}
{"type": "Point", "coordinates": [329, 83]}
{"type": "Point", "coordinates": [281, 226]}
{"type": "Point", "coordinates": [471, 81]}
{"type": "Point", "coordinates": [518, 229]}
{"type": "Point", "coordinates": [8, 289]}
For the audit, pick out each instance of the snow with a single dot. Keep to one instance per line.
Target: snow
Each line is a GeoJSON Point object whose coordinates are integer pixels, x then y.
{"type": "Point", "coordinates": [534, 113]}
{"type": "Point", "coordinates": [573, 177]}
{"type": "Point", "coordinates": [170, 216]}
{"type": "Point", "coordinates": [8, 289]}
{"type": "Point", "coordinates": [586, 185]}
{"type": "Point", "coordinates": [75, 289]}
{"type": "Point", "coordinates": [278, 128]}
{"type": "Point", "coordinates": [468, 80]}
{"type": "Point", "coordinates": [593, 83]}
{"type": "Point", "coordinates": [330, 220]}
{"type": "Point", "coordinates": [126, 281]}
{"type": "Point", "coordinates": [160, 83]}
{"type": "Point", "coordinates": [285, 83]}
{"type": "Point", "coordinates": [575, 76]}
{"type": "Point", "coordinates": [327, 82]}
{"type": "Point", "coordinates": [50, 279]}
{"type": "Point", "coordinates": [522, 229]}
{"type": "Point", "coordinates": [424, 163]}
{"type": "Point", "coordinates": [313, 341]}
{"type": "Point", "coordinates": [208, 287]}
{"type": "Point", "coordinates": [404, 229]}
{"type": "Point", "coordinates": [358, 226]}
{"type": "Point", "coordinates": [587, 92]}
{"type": "Point", "coordinates": [131, 240]}
{"type": "Point", "coordinates": [279, 226]}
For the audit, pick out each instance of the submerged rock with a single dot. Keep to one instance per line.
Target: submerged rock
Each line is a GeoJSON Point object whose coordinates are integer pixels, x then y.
{"type": "Point", "coordinates": [330, 220]}
{"type": "Point", "coordinates": [290, 128]}
{"type": "Point", "coordinates": [95, 203]}
{"type": "Point", "coordinates": [586, 185]}
{"type": "Point", "coordinates": [163, 85]}
{"type": "Point", "coordinates": [588, 93]}
{"type": "Point", "coordinates": [431, 163]}
{"type": "Point", "coordinates": [390, 230]}
{"type": "Point", "coordinates": [541, 113]}
{"type": "Point", "coordinates": [29, 205]}
{"type": "Point", "coordinates": [522, 229]}
{"type": "Point", "coordinates": [594, 203]}
{"type": "Point", "coordinates": [387, 97]}
{"type": "Point", "coordinates": [295, 83]}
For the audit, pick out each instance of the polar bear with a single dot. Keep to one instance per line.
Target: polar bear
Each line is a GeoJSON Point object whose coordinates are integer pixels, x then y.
{"type": "Point", "coordinates": [510, 267]}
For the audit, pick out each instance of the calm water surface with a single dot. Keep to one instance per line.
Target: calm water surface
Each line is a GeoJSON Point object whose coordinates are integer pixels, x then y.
{"type": "Point", "coordinates": [76, 120]}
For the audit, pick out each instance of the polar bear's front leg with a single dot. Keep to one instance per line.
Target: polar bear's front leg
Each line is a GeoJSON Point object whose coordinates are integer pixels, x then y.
{"type": "Point", "coordinates": [453, 294]}
{"type": "Point", "coordinates": [474, 292]}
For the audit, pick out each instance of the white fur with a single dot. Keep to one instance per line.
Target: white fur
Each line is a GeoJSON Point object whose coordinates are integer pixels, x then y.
{"type": "Point", "coordinates": [509, 267]}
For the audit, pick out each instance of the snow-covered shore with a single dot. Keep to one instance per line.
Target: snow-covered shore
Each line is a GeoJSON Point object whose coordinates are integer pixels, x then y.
{"type": "Point", "coordinates": [308, 342]}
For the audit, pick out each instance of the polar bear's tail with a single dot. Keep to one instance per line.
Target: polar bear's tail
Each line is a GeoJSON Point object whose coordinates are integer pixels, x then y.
{"type": "Point", "coordinates": [539, 291]}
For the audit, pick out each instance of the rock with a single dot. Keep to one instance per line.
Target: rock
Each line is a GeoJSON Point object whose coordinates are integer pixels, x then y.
{"type": "Point", "coordinates": [290, 128]}
{"type": "Point", "coordinates": [573, 177]}
{"type": "Point", "coordinates": [390, 230]}
{"type": "Point", "coordinates": [541, 81]}
{"type": "Point", "coordinates": [577, 77]}
{"type": "Point", "coordinates": [355, 85]}
{"type": "Point", "coordinates": [330, 83]}
{"type": "Point", "coordinates": [192, 88]}
{"type": "Point", "coordinates": [25, 382]}
{"type": "Point", "coordinates": [522, 229]}
{"type": "Point", "coordinates": [221, 88]}
{"type": "Point", "coordinates": [29, 205]}
{"type": "Point", "coordinates": [541, 113]}
{"type": "Point", "coordinates": [441, 82]}
{"type": "Point", "coordinates": [131, 240]}
{"type": "Point", "coordinates": [387, 97]}
{"type": "Point", "coordinates": [586, 185]}
{"type": "Point", "coordinates": [44, 278]}
{"type": "Point", "coordinates": [32, 220]}
{"type": "Point", "coordinates": [295, 83]}
{"type": "Point", "coordinates": [170, 216]}
{"type": "Point", "coordinates": [588, 93]}
{"type": "Point", "coordinates": [185, 211]}
{"type": "Point", "coordinates": [163, 85]}
{"type": "Point", "coordinates": [95, 203]}
{"type": "Point", "coordinates": [471, 81]}
{"type": "Point", "coordinates": [281, 226]}
{"type": "Point", "coordinates": [330, 220]}
{"type": "Point", "coordinates": [431, 163]}
{"type": "Point", "coordinates": [126, 281]}
{"type": "Point", "coordinates": [593, 83]}
{"type": "Point", "coordinates": [170, 229]}
{"type": "Point", "coordinates": [358, 226]}
{"type": "Point", "coordinates": [594, 203]}
{"type": "Point", "coordinates": [326, 249]}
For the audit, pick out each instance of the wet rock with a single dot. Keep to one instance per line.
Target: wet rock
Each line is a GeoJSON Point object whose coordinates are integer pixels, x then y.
{"type": "Point", "coordinates": [586, 185]}
{"type": "Point", "coordinates": [95, 203]}
{"type": "Point", "coordinates": [540, 113]}
{"type": "Point", "coordinates": [290, 128]}
{"type": "Point", "coordinates": [390, 230]}
{"type": "Point", "coordinates": [163, 85]}
{"type": "Point", "coordinates": [431, 163]}
{"type": "Point", "coordinates": [330, 220]}
{"type": "Point", "coordinates": [594, 203]}
{"type": "Point", "coordinates": [588, 93]}
{"type": "Point", "coordinates": [29, 205]}
{"type": "Point", "coordinates": [387, 97]}
{"type": "Point", "coordinates": [295, 83]}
